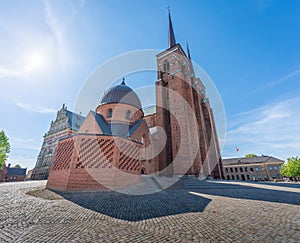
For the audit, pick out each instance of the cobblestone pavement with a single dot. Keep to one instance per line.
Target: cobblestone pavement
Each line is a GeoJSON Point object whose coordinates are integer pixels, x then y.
{"type": "Point", "coordinates": [192, 211]}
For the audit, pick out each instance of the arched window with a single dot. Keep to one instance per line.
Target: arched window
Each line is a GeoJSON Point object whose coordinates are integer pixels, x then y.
{"type": "Point", "coordinates": [128, 115]}
{"type": "Point", "coordinates": [109, 113]}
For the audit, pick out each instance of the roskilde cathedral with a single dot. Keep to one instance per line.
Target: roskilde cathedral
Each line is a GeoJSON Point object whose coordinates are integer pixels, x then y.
{"type": "Point", "coordinates": [116, 143]}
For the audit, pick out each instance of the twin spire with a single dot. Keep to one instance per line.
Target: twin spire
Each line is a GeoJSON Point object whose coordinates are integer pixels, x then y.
{"type": "Point", "coordinates": [171, 36]}
{"type": "Point", "coordinates": [171, 39]}
{"type": "Point", "coordinates": [188, 51]}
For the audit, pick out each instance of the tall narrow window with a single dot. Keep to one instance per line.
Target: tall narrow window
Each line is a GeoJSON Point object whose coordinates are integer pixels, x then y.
{"type": "Point", "coordinates": [143, 139]}
{"type": "Point", "coordinates": [109, 113]}
{"type": "Point", "coordinates": [166, 66]}
{"type": "Point", "coordinates": [128, 115]}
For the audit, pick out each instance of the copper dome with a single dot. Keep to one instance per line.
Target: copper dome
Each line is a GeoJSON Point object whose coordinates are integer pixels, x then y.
{"type": "Point", "coordinates": [121, 94]}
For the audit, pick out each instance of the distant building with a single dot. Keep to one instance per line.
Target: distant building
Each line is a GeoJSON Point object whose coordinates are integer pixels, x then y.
{"type": "Point", "coordinates": [28, 176]}
{"type": "Point", "coordinates": [65, 124]}
{"type": "Point", "coordinates": [8, 174]}
{"type": "Point", "coordinates": [258, 168]}
{"type": "Point", "coordinates": [3, 173]}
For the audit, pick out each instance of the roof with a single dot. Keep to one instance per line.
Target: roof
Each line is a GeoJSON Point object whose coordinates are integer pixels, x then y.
{"type": "Point", "coordinates": [74, 120]}
{"type": "Point", "coordinates": [102, 123]}
{"type": "Point", "coordinates": [16, 171]}
{"type": "Point", "coordinates": [252, 160]}
{"type": "Point", "coordinates": [115, 128]}
{"type": "Point", "coordinates": [121, 94]}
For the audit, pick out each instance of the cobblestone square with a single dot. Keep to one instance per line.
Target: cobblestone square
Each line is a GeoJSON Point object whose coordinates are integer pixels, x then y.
{"type": "Point", "coordinates": [190, 211]}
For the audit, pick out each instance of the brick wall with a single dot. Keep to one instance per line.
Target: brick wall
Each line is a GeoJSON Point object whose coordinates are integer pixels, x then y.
{"type": "Point", "coordinates": [119, 112]}
{"type": "Point", "coordinates": [84, 163]}
{"type": "Point", "coordinates": [181, 99]}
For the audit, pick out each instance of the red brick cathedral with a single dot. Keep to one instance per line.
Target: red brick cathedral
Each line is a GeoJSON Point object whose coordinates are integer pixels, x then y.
{"type": "Point", "coordinates": [117, 143]}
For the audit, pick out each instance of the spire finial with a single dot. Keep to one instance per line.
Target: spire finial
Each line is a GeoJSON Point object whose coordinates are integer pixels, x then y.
{"type": "Point", "coordinates": [123, 81]}
{"type": "Point", "coordinates": [171, 35]}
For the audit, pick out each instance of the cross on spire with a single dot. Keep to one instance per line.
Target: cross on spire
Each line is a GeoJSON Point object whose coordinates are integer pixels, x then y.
{"type": "Point", "coordinates": [123, 81]}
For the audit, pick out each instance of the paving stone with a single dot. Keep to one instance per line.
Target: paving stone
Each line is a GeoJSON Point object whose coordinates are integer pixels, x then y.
{"type": "Point", "coordinates": [191, 211]}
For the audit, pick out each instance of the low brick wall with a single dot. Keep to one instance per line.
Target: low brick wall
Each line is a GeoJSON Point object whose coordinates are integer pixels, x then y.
{"type": "Point", "coordinates": [89, 163]}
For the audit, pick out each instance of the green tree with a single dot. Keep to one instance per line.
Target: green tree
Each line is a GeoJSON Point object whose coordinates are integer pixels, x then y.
{"type": "Point", "coordinates": [292, 168]}
{"type": "Point", "coordinates": [4, 148]}
{"type": "Point", "coordinates": [17, 166]}
{"type": "Point", "coordinates": [250, 155]}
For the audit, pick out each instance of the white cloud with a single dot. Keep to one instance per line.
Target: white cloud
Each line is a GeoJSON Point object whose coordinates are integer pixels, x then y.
{"type": "Point", "coordinates": [33, 63]}
{"type": "Point", "coordinates": [283, 79]}
{"type": "Point", "coordinates": [22, 152]}
{"type": "Point", "coordinates": [4, 72]}
{"type": "Point", "coordinates": [22, 161]}
{"type": "Point", "coordinates": [38, 109]}
{"type": "Point", "coordinates": [58, 18]}
{"type": "Point", "coordinates": [27, 143]}
{"type": "Point", "coordinates": [272, 130]}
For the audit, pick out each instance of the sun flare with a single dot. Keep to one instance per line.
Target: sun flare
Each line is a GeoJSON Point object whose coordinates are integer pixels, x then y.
{"type": "Point", "coordinates": [34, 62]}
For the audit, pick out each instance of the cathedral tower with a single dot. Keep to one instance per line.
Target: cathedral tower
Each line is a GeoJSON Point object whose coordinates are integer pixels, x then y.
{"type": "Point", "coordinates": [183, 111]}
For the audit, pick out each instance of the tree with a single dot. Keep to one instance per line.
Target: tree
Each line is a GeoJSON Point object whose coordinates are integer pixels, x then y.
{"type": "Point", "coordinates": [17, 166]}
{"type": "Point", "coordinates": [250, 155]}
{"type": "Point", "coordinates": [292, 168]}
{"type": "Point", "coordinates": [4, 148]}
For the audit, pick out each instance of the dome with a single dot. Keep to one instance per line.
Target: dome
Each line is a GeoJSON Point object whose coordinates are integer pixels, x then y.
{"type": "Point", "coordinates": [121, 94]}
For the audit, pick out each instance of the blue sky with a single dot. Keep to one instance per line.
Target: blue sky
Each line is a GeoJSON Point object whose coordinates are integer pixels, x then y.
{"type": "Point", "coordinates": [250, 49]}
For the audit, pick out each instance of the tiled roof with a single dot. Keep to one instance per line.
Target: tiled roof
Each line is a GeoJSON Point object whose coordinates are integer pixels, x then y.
{"type": "Point", "coordinates": [115, 128]}
{"type": "Point", "coordinates": [16, 171]}
{"type": "Point", "coordinates": [101, 122]}
{"type": "Point", "coordinates": [121, 94]}
{"type": "Point", "coordinates": [252, 160]}
{"type": "Point", "coordinates": [74, 120]}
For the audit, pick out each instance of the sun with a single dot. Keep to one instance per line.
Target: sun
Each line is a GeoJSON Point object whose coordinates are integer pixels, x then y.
{"type": "Point", "coordinates": [35, 61]}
